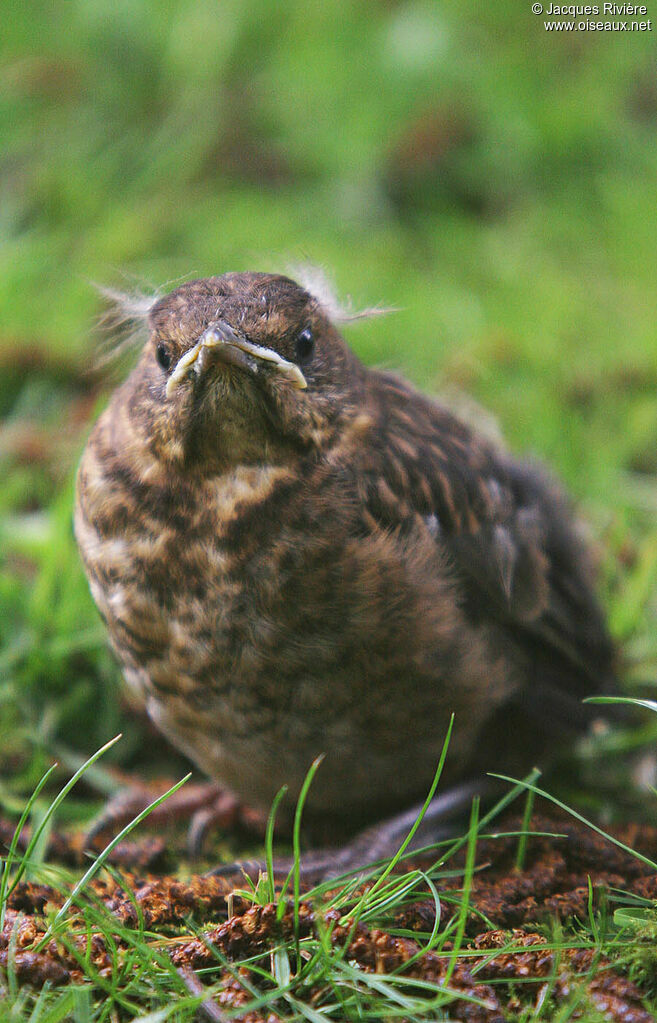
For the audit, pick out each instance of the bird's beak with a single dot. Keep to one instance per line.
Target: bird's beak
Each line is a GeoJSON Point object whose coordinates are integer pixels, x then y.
{"type": "Point", "coordinates": [220, 343]}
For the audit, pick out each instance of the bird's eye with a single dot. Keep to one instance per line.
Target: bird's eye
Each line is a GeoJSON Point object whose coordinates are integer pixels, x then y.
{"type": "Point", "coordinates": [163, 357]}
{"type": "Point", "coordinates": [305, 345]}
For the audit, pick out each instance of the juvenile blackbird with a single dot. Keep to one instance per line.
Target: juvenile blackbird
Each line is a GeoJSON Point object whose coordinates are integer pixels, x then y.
{"type": "Point", "coordinates": [295, 554]}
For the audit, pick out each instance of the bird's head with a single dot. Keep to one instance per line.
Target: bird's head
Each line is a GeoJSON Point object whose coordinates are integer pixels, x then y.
{"type": "Point", "coordinates": [242, 368]}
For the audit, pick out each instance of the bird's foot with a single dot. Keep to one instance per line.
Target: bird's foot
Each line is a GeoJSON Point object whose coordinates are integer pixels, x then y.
{"type": "Point", "coordinates": [445, 818]}
{"type": "Point", "coordinates": [205, 805]}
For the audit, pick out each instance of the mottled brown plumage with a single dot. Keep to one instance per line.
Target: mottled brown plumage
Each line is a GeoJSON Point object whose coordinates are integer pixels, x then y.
{"type": "Point", "coordinates": [286, 570]}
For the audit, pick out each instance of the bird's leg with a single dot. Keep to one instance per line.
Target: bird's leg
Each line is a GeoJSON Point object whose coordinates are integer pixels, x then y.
{"type": "Point", "coordinates": [446, 817]}
{"type": "Point", "coordinates": [206, 805]}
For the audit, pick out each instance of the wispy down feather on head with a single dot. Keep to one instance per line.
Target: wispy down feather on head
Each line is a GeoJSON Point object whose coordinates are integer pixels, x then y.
{"type": "Point", "coordinates": [318, 284]}
{"type": "Point", "coordinates": [123, 324]}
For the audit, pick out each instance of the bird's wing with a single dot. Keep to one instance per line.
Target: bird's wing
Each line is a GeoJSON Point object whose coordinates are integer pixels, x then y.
{"type": "Point", "coordinates": [511, 539]}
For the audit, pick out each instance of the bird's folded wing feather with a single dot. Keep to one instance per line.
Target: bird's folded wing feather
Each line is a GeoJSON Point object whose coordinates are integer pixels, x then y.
{"type": "Point", "coordinates": [509, 534]}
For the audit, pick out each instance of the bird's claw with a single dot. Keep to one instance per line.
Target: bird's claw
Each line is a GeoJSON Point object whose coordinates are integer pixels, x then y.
{"type": "Point", "coordinates": [207, 806]}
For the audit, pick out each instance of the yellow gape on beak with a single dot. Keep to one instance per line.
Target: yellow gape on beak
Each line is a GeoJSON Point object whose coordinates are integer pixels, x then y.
{"type": "Point", "coordinates": [220, 342]}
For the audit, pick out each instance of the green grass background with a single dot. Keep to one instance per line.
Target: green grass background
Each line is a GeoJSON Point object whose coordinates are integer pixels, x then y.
{"type": "Point", "coordinates": [494, 182]}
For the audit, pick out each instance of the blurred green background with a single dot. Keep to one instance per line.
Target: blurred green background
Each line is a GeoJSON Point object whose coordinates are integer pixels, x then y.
{"type": "Point", "coordinates": [493, 181]}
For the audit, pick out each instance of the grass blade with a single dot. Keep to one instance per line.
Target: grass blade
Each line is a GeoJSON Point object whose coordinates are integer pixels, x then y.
{"type": "Point", "coordinates": [100, 860]}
